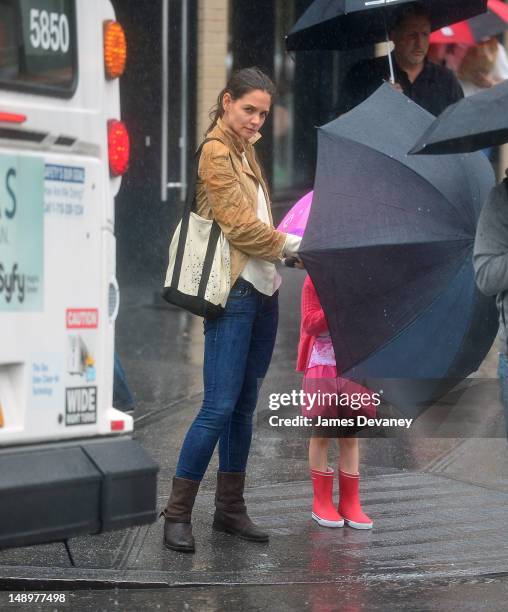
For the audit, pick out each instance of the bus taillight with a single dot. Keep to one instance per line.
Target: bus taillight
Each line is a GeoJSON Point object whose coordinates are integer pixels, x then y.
{"type": "Point", "coordinates": [12, 118]}
{"type": "Point", "coordinates": [117, 425]}
{"type": "Point", "coordinates": [118, 147]}
{"type": "Point", "coordinates": [115, 49]}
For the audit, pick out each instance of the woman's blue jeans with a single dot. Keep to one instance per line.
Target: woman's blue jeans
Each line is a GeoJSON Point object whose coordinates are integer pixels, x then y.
{"type": "Point", "coordinates": [238, 349]}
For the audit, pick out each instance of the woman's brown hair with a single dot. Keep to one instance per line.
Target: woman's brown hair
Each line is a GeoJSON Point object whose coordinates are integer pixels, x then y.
{"type": "Point", "coordinates": [241, 82]}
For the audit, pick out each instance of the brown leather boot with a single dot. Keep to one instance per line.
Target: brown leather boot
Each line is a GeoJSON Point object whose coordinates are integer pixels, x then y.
{"type": "Point", "coordinates": [177, 526]}
{"type": "Point", "coordinates": [231, 513]}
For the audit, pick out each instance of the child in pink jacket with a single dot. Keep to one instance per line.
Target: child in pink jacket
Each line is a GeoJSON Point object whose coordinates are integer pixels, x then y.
{"type": "Point", "coordinates": [316, 359]}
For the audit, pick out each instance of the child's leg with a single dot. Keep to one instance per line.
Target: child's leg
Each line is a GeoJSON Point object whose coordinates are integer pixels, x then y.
{"type": "Point", "coordinates": [323, 508]}
{"type": "Point", "coordinates": [318, 454]}
{"type": "Point", "coordinates": [349, 458]}
{"type": "Point", "coordinates": [349, 485]}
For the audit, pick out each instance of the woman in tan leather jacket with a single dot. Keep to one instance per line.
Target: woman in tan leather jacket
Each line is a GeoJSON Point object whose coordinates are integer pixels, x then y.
{"type": "Point", "coordinates": [239, 344]}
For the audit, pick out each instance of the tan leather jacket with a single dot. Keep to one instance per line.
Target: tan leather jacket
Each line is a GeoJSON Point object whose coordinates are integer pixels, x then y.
{"type": "Point", "coordinates": [227, 191]}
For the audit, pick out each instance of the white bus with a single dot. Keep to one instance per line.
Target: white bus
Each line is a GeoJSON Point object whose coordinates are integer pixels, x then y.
{"type": "Point", "coordinates": [64, 449]}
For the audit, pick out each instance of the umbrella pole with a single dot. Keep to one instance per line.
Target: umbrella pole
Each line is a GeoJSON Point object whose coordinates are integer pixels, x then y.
{"type": "Point", "coordinates": [390, 61]}
{"type": "Point", "coordinates": [392, 74]}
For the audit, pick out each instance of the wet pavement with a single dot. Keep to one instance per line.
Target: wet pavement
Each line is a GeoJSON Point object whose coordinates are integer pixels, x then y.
{"type": "Point", "coordinates": [440, 504]}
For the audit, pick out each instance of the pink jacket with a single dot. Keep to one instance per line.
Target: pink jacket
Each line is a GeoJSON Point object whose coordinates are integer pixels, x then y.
{"type": "Point", "coordinates": [313, 323]}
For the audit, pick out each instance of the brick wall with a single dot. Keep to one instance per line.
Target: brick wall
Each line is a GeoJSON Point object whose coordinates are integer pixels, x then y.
{"type": "Point", "coordinates": [213, 26]}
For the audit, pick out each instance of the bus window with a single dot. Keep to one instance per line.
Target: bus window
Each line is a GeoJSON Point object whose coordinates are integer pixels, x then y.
{"type": "Point", "coordinates": [38, 46]}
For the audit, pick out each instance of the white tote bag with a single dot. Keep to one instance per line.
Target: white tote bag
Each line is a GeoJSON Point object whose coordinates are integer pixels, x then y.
{"type": "Point", "coordinates": [199, 271]}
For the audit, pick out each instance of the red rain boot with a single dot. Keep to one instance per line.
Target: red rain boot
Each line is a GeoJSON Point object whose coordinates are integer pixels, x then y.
{"type": "Point", "coordinates": [323, 510]}
{"type": "Point", "coordinates": [349, 501]}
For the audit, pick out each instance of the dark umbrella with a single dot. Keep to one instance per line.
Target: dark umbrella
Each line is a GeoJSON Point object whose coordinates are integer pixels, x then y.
{"type": "Point", "coordinates": [474, 123]}
{"type": "Point", "coordinates": [348, 24]}
{"type": "Point", "coordinates": [389, 245]}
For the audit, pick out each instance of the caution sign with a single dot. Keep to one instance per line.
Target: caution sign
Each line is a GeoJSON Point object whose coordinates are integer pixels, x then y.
{"type": "Point", "coordinates": [80, 405]}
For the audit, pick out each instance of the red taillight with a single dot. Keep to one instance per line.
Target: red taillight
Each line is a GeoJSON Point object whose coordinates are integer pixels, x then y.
{"type": "Point", "coordinates": [12, 118]}
{"type": "Point", "coordinates": [117, 425]}
{"type": "Point", "coordinates": [118, 147]}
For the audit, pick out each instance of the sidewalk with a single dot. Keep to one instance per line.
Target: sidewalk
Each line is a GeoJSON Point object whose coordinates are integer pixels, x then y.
{"type": "Point", "coordinates": [440, 507]}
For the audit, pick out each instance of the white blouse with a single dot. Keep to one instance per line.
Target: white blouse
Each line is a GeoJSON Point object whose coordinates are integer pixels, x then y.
{"type": "Point", "coordinates": [260, 273]}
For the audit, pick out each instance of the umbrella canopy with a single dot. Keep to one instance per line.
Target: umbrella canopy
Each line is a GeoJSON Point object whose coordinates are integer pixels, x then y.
{"type": "Point", "coordinates": [474, 123]}
{"type": "Point", "coordinates": [473, 31]}
{"type": "Point", "coordinates": [295, 220]}
{"type": "Point", "coordinates": [388, 245]}
{"type": "Point", "coordinates": [349, 24]}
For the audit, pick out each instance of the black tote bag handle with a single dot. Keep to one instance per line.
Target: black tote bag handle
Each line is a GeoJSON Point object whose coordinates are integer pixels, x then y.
{"type": "Point", "coordinates": [214, 233]}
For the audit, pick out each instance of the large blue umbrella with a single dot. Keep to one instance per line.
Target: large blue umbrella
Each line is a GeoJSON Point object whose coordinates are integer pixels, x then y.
{"type": "Point", "coordinates": [473, 123]}
{"type": "Point", "coordinates": [389, 245]}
